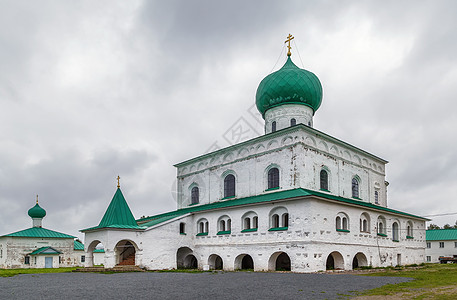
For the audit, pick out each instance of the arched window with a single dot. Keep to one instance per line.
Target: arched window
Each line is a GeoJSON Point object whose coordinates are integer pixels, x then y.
{"type": "Point", "coordinates": [376, 197]}
{"type": "Point", "coordinates": [182, 228]}
{"type": "Point", "coordinates": [222, 225]}
{"type": "Point", "coordinates": [355, 188]}
{"type": "Point", "coordinates": [194, 195]}
{"type": "Point", "coordinates": [273, 126]}
{"type": "Point", "coordinates": [293, 122]}
{"type": "Point", "coordinates": [381, 226]}
{"type": "Point", "coordinates": [229, 225]}
{"type": "Point", "coordinates": [409, 230]}
{"type": "Point", "coordinates": [364, 222]}
{"type": "Point", "coordinates": [206, 226]}
{"type": "Point", "coordinates": [285, 220]}
{"type": "Point", "coordinates": [247, 223]}
{"type": "Point", "coordinates": [275, 221]}
{"type": "Point", "coordinates": [255, 222]}
{"type": "Point", "coordinates": [273, 178]}
{"type": "Point", "coordinates": [324, 180]}
{"type": "Point", "coordinates": [395, 231]}
{"type": "Point", "coordinates": [342, 222]}
{"type": "Point", "coordinates": [202, 227]}
{"type": "Point", "coordinates": [229, 186]}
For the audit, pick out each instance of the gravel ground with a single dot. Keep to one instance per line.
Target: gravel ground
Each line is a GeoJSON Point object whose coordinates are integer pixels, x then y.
{"type": "Point", "coordinates": [218, 285]}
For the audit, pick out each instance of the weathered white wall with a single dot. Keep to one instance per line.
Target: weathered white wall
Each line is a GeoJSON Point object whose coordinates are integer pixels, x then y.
{"type": "Point", "coordinates": [299, 152]}
{"type": "Point", "coordinates": [283, 114]}
{"type": "Point", "coordinates": [435, 251]}
{"type": "Point", "coordinates": [16, 248]}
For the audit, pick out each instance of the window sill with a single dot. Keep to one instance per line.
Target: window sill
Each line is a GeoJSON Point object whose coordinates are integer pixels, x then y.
{"type": "Point", "coordinates": [249, 230]}
{"type": "Point", "coordinates": [356, 198]}
{"type": "Point", "coordinates": [193, 204]}
{"type": "Point", "coordinates": [409, 237]}
{"type": "Point", "coordinates": [365, 232]}
{"type": "Point", "coordinates": [224, 232]}
{"type": "Point", "coordinates": [272, 189]}
{"type": "Point", "coordinates": [324, 190]}
{"type": "Point", "coordinates": [382, 234]}
{"type": "Point", "coordinates": [229, 197]}
{"type": "Point", "coordinates": [396, 241]}
{"type": "Point", "coordinates": [202, 233]}
{"type": "Point", "coordinates": [342, 230]}
{"type": "Point", "coordinates": [182, 233]}
{"type": "Point", "coordinates": [278, 229]}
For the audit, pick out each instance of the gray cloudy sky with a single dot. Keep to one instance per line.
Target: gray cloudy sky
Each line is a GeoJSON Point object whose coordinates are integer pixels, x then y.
{"type": "Point", "coordinates": [93, 89]}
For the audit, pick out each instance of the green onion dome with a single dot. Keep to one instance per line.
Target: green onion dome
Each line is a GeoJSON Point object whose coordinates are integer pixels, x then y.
{"type": "Point", "coordinates": [290, 84]}
{"type": "Point", "coordinates": [37, 212]}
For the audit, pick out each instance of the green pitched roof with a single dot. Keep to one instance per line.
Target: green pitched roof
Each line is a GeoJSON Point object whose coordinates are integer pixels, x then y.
{"type": "Point", "coordinates": [441, 234]}
{"type": "Point", "coordinates": [45, 250]}
{"type": "Point", "coordinates": [39, 232]}
{"type": "Point", "coordinates": [270, 197]}
{"type": "Point", "coordinates": [117, 215]}
{"type": "Point", "coordinates": [78, 245]}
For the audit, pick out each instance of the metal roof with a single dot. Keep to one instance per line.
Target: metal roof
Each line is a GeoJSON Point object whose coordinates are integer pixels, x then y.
{"type": "Point", "coordinates": [45, 250]}
{"type": "Point", "coordinates": [117, 215]}
{"type": "Point", "coordinates": [78, 245]}
{"type": "Point", "coordinates": [270, 197]}
{"type": "Point", "coordinates": [39, 232]}
{"type": "Point", "coordinates": [441, 234]}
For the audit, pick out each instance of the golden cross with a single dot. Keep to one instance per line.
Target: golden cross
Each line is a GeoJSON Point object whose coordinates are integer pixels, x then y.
{"type": "Point", "coordinates": [289, 38]}
{"type": "Point", "coordinates": [36, 199]}
{"type": "Point", "coordinates": [118, 184]}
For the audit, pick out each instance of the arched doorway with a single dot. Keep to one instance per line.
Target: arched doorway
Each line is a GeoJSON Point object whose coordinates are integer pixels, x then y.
{"type": "Point", "coordinates": [185, 259]}
{"type": "Point", "coordinates": [95, 254]}
{"type": "Point", "coordinates": [215, 262]}
{"type": "Point", "coordinates": [279, 261]}
{"type": "Point", "coordinates": [125, 253]}
{"type": "Point", "coordinates": [359, 260]}
{"type": "Point", "coordinates": [244, 262]}
{"type": "Point", "coordinates": [334, 261]}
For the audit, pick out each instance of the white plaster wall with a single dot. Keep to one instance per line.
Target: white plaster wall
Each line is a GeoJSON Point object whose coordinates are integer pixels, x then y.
{"type": "Point", "coordinates": [299, 152]}
{"type": "Point", "coordinates": [283, 114]}
{"type": "Point", "coordinates": [309, 239]}
{"type": "Point", "coordinates": [16, 248]}
{"type": "Point", "coordinates": [435, 251]}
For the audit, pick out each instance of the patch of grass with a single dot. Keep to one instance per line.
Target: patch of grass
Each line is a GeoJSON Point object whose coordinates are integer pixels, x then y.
{"type": "Point", "coordinates": [427, 277]}
{"type": "Point", "coordinates": [13, 272]}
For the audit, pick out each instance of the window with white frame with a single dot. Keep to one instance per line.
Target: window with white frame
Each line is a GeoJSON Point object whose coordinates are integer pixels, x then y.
{"type": "Point", "coordinates": [409, 229]}
{"type": "Point", "coordinates": [195, 195]}
{"type": "Point", "coordinates": [202, 226]}
{"type": "Point", "coordinates": [429, 245]}
{"type": "Point", "coordinates": [224, 225]}
{"type": "Point", "coordinates": [273, 178]}
{"type": "Point", "coordinates": [323, 178]}
{"type": "Point", "coordinates": [249, 221]}
{"type": "Point", "coordinates": [342, 222]}
{"type": "Point", "coordinates": [381, 228]}
{"type": "Point", "coordinates": [279, 218]}
{"type": "Point", "coordinates": [229, 186]}
{"type": "Point", "coordinates": [429, 258]}
{"type": "Point", "coordinates": [455, 244]}
{"type": "Point", "coordinates": [441, 244]}
{"type": "Point", "coordinates": [355, 187]}
{"type": "Point", "coordinates": [395, 231]}
{"type": "Point", "coordinates": [365, 222]}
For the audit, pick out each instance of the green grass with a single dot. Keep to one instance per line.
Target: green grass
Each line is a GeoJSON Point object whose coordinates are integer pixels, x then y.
{"type": "Point", "coordinates": [430, 276]}
{"type": "Point", "coordinates": [13, 272]}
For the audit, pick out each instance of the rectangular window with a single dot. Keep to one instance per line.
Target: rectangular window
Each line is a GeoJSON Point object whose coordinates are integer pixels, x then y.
{"type": "Point", "coordinates": [455, 244]}
{"type": "Point", "coordinates": [429, 245]}
{"type": "Point", "coordinates": [429, 258]}
{"type": "Point", "coordinates": [441, 244]}
{"type": "Point", "coordinates": [83, 258]}
{"type": "Point", "coordinates": [27, 260]}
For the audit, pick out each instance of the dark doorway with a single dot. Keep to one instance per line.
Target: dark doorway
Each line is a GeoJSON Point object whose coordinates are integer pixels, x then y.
{"type": "Point", "coordinates": [283, 262]}
{"type": "Point", "coordinates": [247, 263]}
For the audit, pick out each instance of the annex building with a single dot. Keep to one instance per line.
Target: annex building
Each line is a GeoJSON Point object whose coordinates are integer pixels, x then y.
{"type": "Point", "coordinates": [293, 199]}
{"type": "Point", "coordinates": [38, 247]}
{"type": "Point", "coordinates": [441, 243]}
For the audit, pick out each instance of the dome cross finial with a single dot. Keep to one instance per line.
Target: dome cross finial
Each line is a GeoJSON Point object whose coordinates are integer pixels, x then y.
{"type": "Point", "coordinates": [289, 38]}
{"type": "Point", "coordinates": [118, 183]}
{"type": "Point", "coordinates": [36, 199]}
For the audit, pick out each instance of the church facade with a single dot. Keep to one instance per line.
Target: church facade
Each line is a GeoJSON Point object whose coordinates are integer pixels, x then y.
{"type": "Point", "coordinates": [293, 199]}
{"type": "Point", "coordinates": [38, 247]}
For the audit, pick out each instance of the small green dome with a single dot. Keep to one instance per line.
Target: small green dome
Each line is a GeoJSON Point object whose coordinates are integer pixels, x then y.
{"type": "Point", "coordinates": [37, 212]}
{"type": "Point", "coordinates": [290, 84]}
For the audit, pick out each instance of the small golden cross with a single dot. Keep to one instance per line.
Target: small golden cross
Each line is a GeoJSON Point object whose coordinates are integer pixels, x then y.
{"type": "Point", "coordinates": [36, 199]}
{"type": "Point", "coordinates": [289, 38]}
{"type": "Point", "coordinates": [118, 184]}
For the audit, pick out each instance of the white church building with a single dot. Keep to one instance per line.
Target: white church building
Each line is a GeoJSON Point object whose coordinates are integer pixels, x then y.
{"type": "Point", "coordinates": [39, 247]}
{"type": "Point", "coordinates": [292, 199]}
